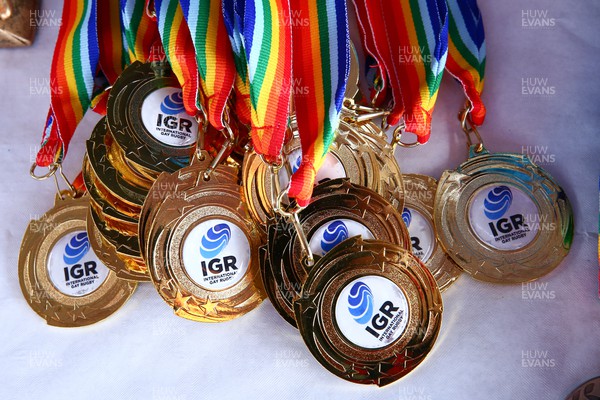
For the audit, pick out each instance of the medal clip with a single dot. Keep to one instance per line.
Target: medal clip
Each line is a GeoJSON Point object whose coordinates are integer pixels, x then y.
{"type": "Point", "coordinates": [470, 130]}
{"type": "Point", "coordinates": [397, 138]}
{"type": "Point", "coordinates": [228, 144]}
{"type": "Point", "coordinates": [291, 215]}
{"type": "Point", "coordinates": [362, 113]}
{"type": "Point", "coordinates": [202, 121]}
{"type": "Point", "coordinates": [52, 169]}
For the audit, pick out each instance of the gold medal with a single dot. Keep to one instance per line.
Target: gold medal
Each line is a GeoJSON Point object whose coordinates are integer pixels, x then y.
{"type": "Point", "coordinates": [338, 210]}
{"type": "Point", "coordinates": [63, 281]}
{"type": "Point", "coordinates": [419, 197]}
{"type": "Point", "coordinates": [202, 245]}
{"type": "Point", "coordinates": [501, 217]}
{"type": "Point", "coordinates": [349, 157]}
{"type": "Point", "coordinates": [369, 312]}
{"type": "Point", "coordinates": [147, 118]}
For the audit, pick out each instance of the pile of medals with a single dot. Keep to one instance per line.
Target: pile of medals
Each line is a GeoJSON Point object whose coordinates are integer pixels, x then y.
{"type": "Point", "coordinates": [359, 271]}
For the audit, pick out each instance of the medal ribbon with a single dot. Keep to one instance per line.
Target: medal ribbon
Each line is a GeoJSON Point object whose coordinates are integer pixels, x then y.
{"type": "Point", "coordinates": [267, 40]}
{"type": "Point", "coordinates": [139, 29]}
{"type": "Point", "coordinates": [321, 67]}
{"type": "Point", "coordinates": [467, 53]}
{"type": "Point", "coordinates": [113, 54]}
{"type": "Point", "coordinates": [411, 38]}
{"type": "Point", "coordinates": [72, 74]}
{"type": "Point", "coordinates": [213, 55]}
{"type": "Point", "coordinates": [373, 75]}
{"type": "Point", "coordinates": [179, 50]}
{"type": "Point", "coordinates": [233, 15]}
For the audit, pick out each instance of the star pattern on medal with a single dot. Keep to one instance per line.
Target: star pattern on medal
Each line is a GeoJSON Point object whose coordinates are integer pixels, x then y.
{"type": "Point", "coordinates": [394, 193]}
{"type": "Point", "coordinates": [436, 308]}
{"type": "Point", "coordinates": [210, 307]}
{"type": "Point", "coordinates": [37, 295]}
{"type": "Point", "coordinates": [61, 312]}
{"type": "Point", "coordinates": [363, 203]}
{"type": "Point", "coordinates": [507, 268]}
{"type": "Point", "coordinates": [167, 288]}
{"type": "Point", "coordinates": [180, 302]}
{"type": "Point", "coordinates": [404, 357]}
{"type": "Point", "coordinates": [386, 172]}
{"type": "Point", "coordinates": [341, 138]}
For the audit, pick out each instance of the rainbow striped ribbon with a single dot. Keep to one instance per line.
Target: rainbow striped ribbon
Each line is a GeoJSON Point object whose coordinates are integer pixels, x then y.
{"type": "Point", "coordinates": [411, 38]}
{"type": "Point", "coordinates": [233, 13]}
{"type": "Point", "coordinates": [72, 74]}
{"type": "Point", "coordinates": [467, 53]}
{"type": "Point", "coordinates": [268, 50]}
{"type": "Point", "coordinates": [139, 29]}
{"type": "Point", "coordinates": [179, 49]}
{"type": "Point", "coordinates": [113, 54]}
{"type": "Point", "coordinates": [321, 66]}
{"type": "Point", "coordinates": [213, 55]}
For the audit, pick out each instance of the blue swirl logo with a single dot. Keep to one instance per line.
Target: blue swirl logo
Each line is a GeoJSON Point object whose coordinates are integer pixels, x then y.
{"type": "Point", "coordinates": [173, 104]}
{"type": "Point", "coordinates": [296, 165]}
{"type": "Point", "coordinates": [406, 217]}
{"type": "Point", "coordinates": [334, 234]}
{"type": "Point", "coordinates": [360, 302]}
{"type": "Point", "coordinates": [76, 249]}
{"type": "Point", "coordinates": [215, 240]}
{"type": "Point", "coordinates": [497, 202]}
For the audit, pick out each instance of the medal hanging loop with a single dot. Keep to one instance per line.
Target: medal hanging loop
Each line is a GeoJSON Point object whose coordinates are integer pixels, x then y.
{"type": "Point", "coordinates": [397, 137]}
{"type": "Point", "coordinates": [203, 122]}
{"type": "Point", "coordinates": [470, 130]}
{"type": "Point", "coordinates": [52, 173]}
{"type": "Point", "coordinates": [150, 9]}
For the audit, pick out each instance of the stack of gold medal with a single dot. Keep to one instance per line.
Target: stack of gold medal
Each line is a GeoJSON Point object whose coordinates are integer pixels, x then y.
{"type": "Point", "coordinates": [326, 264]}
{"type": "Point", "coordinates": [145, 132]}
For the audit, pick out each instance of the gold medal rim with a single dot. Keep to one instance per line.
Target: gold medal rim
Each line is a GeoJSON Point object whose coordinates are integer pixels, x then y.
{"type": "Point", "coordinates": [106, 173]}
{"type": "Point", "coordinates": [125, 245]}
{"type": "Point", "coordinates": [108, 254]}
{"type": "Point", "coordinates": [109, 206]}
